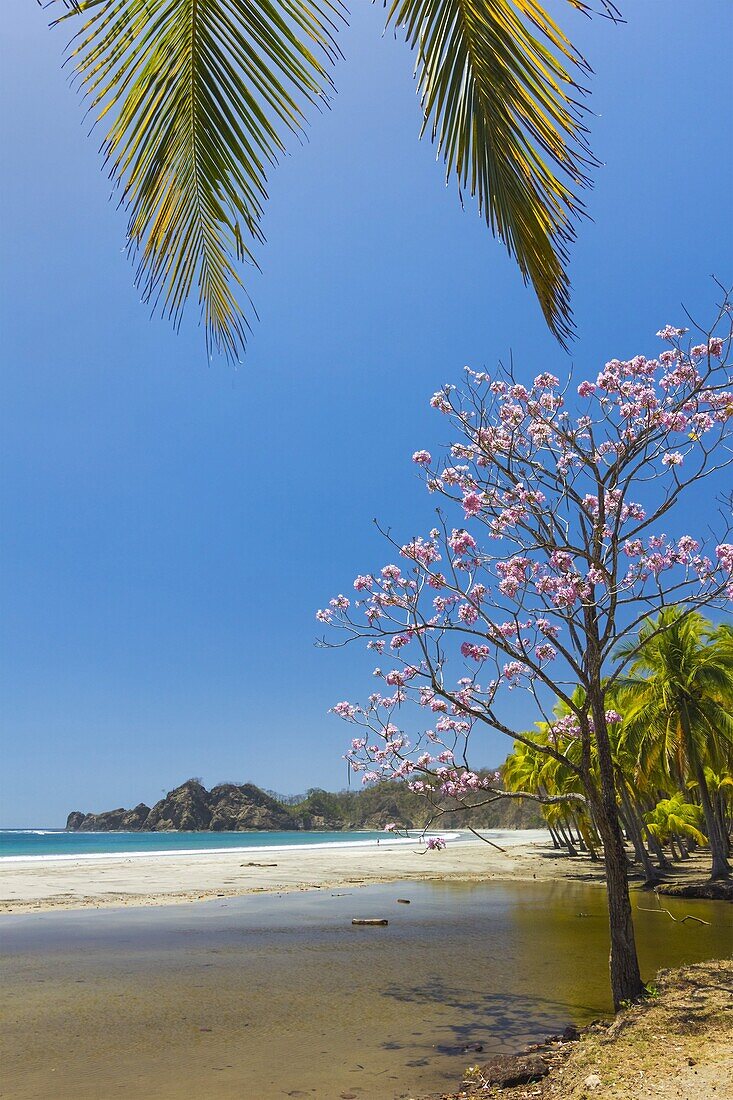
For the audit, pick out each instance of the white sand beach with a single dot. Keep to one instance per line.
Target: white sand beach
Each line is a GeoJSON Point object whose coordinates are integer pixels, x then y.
{"type": "Point", "coordinates": [145, 879]}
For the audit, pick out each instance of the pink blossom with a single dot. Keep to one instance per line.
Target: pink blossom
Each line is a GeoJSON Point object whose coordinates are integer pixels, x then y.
{"type": "Point", "coordinates": [345, 710]}
{"type": "Point", "coordinates": [421, 551]}
{"type": "Point", "coordinates": [669, 332]}
{"type": "Point", "coordinates": [724, 554]}
{"type": "Point", "coordinates": [467, 613]}
{"type": "Point", "coordinates": [391, 573]}
{"type": "Point", "coordinates": [472, 504]}
{"type": "Point", "coordinates": [513, 670]}
{"type": "Point", "coordinates": [545, 652]}
{"type": "Point", "coordinates": [422, 458]}
{"type": "Point", "coordinates": [461, 542]}
{"type": "Point", "coordinates": [673, 458]}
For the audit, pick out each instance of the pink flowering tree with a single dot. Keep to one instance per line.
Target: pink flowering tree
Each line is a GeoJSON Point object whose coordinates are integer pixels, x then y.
{"type": "Point", "coordinates": [550, 547]}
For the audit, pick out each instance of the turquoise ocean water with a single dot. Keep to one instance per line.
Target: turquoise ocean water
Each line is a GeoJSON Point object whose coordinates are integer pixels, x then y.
{"type": "Point", "coordinates": [54, 843]}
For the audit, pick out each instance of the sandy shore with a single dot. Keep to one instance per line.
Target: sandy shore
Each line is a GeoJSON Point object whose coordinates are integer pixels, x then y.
{"type": "Point", "coordinates": [158, 880]}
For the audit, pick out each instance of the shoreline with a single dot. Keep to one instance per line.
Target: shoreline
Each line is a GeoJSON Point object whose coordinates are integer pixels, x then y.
{"type": "Point", "coordinates": [230, 849]}
{"type": "Point", "coordinates": [143, 879]}
{"type": "Point", "coordinates": [119, 880]}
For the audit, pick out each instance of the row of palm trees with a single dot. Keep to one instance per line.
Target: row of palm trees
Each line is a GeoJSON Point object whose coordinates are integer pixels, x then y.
{"type": "Point", "coordinates": [672, 750]}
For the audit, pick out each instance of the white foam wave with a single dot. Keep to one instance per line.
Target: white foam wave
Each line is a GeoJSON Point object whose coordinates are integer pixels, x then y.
{"type": "Point", "coordinates": [387, 841]}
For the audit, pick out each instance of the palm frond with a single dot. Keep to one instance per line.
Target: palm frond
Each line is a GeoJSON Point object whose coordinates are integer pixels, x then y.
{"type": "Point", "coordinates": [201, 95]}
{"type": "Point", "coordinates": [498, 87]}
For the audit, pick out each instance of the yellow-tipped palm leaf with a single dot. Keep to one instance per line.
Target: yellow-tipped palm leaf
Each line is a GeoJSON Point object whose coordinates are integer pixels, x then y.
{"type": "Point", "coordinates": [198, 97]}
{"type": "Point", "coordinates": [496, 81]}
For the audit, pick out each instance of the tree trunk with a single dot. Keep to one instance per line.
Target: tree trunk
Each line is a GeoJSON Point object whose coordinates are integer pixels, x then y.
{"type": "Point", "coordinates": [719, 805]}
{"type": "Point", "coordinates": [637, 838]}
{"type": "Point", "coordinates": [657, 849]}
{"type": "Point", "coordinates": [566, 841]}
{"type": "Point", "coordinates": [721, 867]}
{"type": "Point", "coordinates": [626, 983]}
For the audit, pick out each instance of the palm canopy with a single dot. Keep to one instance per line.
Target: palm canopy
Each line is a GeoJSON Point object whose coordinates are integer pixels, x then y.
{"type": "Point", "coordinates": [198, 99]}
{"type": "Point", "coordinates": [678, 700]}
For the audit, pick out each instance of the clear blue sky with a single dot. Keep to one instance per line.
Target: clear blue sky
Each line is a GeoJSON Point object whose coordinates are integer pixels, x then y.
{"type": "Point", "coordinates": [170, 526]}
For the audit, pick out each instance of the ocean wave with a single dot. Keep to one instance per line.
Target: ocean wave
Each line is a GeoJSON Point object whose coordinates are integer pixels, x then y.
{"type": "Point", "coordinates": [384, 842]}
{"type": "Point", "coordinates": [32, 832]}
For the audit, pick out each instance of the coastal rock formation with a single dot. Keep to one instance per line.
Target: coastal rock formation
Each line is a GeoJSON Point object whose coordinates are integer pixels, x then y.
{"type": "Point", "coordinates": [186, 808]}
{"type": "Point", "coordinates": [247, 807]}
{"type": "Point", "coordinates": [191, 808]}
{"type": "Point", "coordinates": [120, 819]}
{"type": "Point", "coordinates": [234, 807]}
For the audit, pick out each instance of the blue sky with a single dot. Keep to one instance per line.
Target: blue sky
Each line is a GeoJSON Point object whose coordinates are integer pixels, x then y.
{"type": "Point", "coordinates": [168, 525]}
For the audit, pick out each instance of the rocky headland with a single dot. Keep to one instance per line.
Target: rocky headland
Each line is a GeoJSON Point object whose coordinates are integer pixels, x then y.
{"type": "Point", "coordinates": [232, 807]}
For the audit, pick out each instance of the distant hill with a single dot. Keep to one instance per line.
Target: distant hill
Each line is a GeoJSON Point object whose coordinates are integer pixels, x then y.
{"type": "Point", "coordinates": [241, 807]}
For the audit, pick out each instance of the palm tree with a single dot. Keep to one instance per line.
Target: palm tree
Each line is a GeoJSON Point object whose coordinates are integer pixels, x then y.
{"type": "Point", "coordinates": [673, 818]}
{"type": "Point", "coordinates": [678, 702]}
{"type": "Point", "coordinates": [198, 98]}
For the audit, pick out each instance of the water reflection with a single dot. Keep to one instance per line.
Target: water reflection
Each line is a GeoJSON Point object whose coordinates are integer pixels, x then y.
{"type": "Point", "coordinates": [270, 996]}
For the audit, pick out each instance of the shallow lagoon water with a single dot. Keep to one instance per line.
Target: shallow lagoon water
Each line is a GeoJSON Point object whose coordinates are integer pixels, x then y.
{"type": "Point", "coordinates": [268, 996]}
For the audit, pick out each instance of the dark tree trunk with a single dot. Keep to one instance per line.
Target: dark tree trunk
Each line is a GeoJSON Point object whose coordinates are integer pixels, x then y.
{"type": "Point", "coordinates": [566, 841]}
{"type": "Point", "coordinates": [719, 805]}
{"type": "Point", "coordinates": [626, 983]}
{"type": "Point", "coordinates": [721, 867]}
{"type": "Point", "coordinates": [634, 828]}
{"type": "Point", "coordinates": [658, 851]}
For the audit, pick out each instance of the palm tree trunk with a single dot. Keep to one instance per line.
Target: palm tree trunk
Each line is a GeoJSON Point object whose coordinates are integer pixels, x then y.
{"type": "Point", "coordinates": [637, 839]}
{"type": "Point", "coordinates": [720, 866]}
{"type": "Point", "coordinates": [566, 840]}
{"type": "Point", "coordinates": [657, 849]}
{"type": "Point", "coordinates": [719, 806]}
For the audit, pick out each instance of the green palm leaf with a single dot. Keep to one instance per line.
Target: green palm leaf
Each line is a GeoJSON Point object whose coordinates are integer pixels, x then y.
{"type": "Point", "coordinates": [198, 97]}
{"type": "Point", "coordinates": [201, 94]}
{"type": "Point", "coordinates": [497, 86]}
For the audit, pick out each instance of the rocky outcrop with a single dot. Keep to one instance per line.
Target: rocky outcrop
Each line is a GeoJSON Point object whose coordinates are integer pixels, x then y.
{"type": "Point", "coordinates": [186, 808]}
{"type": "Point", "coordinates": [508, 1070]}
{"type": "Point", "coordinates": [247, 807]}
{"type": "Point", "coordinates": [191, 808]}
{"type": "Point", "coordinates": [235, 807]}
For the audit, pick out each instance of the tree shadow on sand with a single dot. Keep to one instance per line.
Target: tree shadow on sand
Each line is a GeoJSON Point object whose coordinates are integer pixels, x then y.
{"type": "Point", "coordinates": [499, 1021]}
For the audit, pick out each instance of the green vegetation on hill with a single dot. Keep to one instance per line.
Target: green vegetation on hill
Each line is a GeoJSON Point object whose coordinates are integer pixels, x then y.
{"type": "Point", "coordinates": [384, 803]}
{"type": "Point", "coordinates": [242, 807]}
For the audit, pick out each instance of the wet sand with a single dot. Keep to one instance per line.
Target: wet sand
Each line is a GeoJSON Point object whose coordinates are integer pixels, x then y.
{"type": "Point", "coordinates": [263, 997]}
{"type": "Point", "coordinates": [145, 880]}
